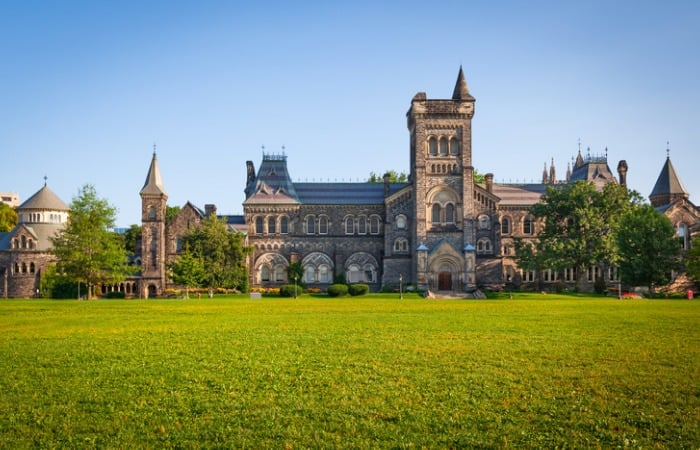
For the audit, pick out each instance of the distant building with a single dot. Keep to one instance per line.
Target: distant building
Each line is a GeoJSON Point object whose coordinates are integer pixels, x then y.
{"type": "Point", "coordinates": [10, 199]}
{"type": "Point", "coordinates": [25, 252]}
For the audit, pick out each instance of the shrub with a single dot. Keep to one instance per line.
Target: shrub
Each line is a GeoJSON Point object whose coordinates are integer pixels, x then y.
{"type": "Point", "coordinates": [358, 289]}
{"type": "Point", "coordinates": [287, 290]}
{"type": "Point", "coordinates": [337, 290]}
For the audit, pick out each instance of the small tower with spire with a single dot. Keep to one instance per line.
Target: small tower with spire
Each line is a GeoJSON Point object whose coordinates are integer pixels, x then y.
{"type": "Point", "coordinates": [668, 187]}
{"type": "Point", "coordinates": [153, 206]}
{"type": "Point", "coordinates": [552, 173]}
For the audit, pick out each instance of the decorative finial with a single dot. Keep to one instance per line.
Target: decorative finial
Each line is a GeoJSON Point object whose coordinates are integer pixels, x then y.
{"type": "Point", "coordinates": [668, 150]}
{"type": "Point", "coordinates": [154, 149]}
{"type": "Point", "coordinates": [45, 178]}
{"type": "Point", "coordinates": [283, 149]}
{"type": "Point", "coordinates": [579, 145]}
{"type": "Point", "coordinates": [606, 152]}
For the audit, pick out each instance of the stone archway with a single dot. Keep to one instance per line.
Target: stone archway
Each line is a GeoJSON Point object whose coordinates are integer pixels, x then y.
{"type": "Point", "coordinates": [445, 281]}
{"type": "Point", "coordinates": [152, 291]}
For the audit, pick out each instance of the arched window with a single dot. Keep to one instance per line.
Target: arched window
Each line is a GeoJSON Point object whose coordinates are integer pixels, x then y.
{"type": "Point", "coordinates": [349, 225]}
{"type": "Point", "coordinates": [32, 268]}
{"type": "Point", "coordinates": [401, 245]}
{"type": "Point", "coordinates": [24, 267]}
{"type": "Point", "coordinates": [271, 225]}
{"type": "Point", "coordinates": [152, 212]}
{"type": "Point", "coordinates": [258, 225]}
{"type": "Point", "coordinates": [324, 274]}
{"type": "Point", "coordinates": [505, 225]}
{"type": "Point", "coordinates": [374, 225]}
{"type": "Point", "coordinates": [443, 147]}
{"type": "Point", "coordinates": [17, 268]}
{"type": "Point", "coordinates": [24, 242]}
{"type": "Point", "coordinates": [368, 273]}
{"type": "Point", "coordinates": [528, 226]}
{"type": "Point", "coordinates": [310, 225]}
{"type": "Point", "coordinates": [309, 274]}
{"type": "Point", "coordinates": [362, 225]}
{"type": "Point", "coordinates": [284, 225]}
{"type": "Point", "coordinates": [354, 274]}
{"type": "Point", "coordinates": [264, 273]}
{"type": "Point", "coordinates": [401, 222]}
{"type": "Point", "coordinates": [484, 222]}
{"type": "Point", "coordinates": [454, 147]}
{"type": "Point", "coordinates": [483, 246]}
{"type": "Point", "coordinates": [432, 146]}
{"type": "Point", "coordinates": [682, 233]}
{"type": "Point", "coordinates": [323, 225]}
{"type": "Point", "coordinates": [436, 214]}
{"type": "Point", "coordinates": [280, 273]}
{"type": "Point", "coordinates": [450, 213]}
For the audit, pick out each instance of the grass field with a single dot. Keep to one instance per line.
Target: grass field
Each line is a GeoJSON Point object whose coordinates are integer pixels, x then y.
{"type": "Point", "coordinates": [370, 372]}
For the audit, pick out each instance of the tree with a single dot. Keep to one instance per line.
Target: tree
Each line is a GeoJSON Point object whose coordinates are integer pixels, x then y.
{"type": "Point", "coordinates": [648, 247]}
{"type": "Point", "coordinates": [131, 238]}
{"type": "Point", "coordinates": [86, 249]}
{"type": "Point", "coordinates": [222, 253]}
{"type": "Point", "coordinates": [171, 212]}
{"type": "Point", "coordinates": [692, 259]}
{"type": "Point", "coordinates": [579, 227]}
{"type": "Point", "coordinates": [188, 270]}
{"type": "Point", "coordinates": [8, 217]}
{"type": "Point", "coordinates": [394, 177]}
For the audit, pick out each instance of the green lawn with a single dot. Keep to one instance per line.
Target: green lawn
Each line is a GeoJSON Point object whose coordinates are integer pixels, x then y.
{"type": "Point", "coordinates": [370, 372]}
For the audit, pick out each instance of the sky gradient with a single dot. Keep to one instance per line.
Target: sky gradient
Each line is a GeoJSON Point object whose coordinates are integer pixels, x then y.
{"type": "Point", "coordinates": [87, 89]}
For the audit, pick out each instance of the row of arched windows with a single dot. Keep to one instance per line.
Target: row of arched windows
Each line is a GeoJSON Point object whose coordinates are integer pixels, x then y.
{"type": "Point", "coordinates": [24, 268]}
{"type": "Point", "coordinates": [443, 168]}
{"type": "Point", "coordinates": [528, 226]}
{"type": "Point", "coordinates": [442, 215]}
{"type": "Point", "coordinates": [443, 146]}
{"type": "Point", "coordinates": [362, 225]}
{"type": "Point", "coordinates": [272, 225]}
{"type": "Point", "coordinates": [23, 242]}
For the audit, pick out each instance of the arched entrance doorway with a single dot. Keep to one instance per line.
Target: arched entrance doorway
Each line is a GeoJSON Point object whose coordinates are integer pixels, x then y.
{"type": "Point", "coordinates": [152, 291]}
{"type": "Point", "coordinates": [445, 281]}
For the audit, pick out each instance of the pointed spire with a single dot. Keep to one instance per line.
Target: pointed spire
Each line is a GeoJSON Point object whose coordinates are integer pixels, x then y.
{"type": "Point", "coordinates": [154, 182]}
{"type": "Point", "coordinates": [461, 91]}
{"type": "Point", "coordinates": [544, 174]}
{"type": "Point", "coordinates": [568, 172]}
{"type": "Point", "coordinates": [668, 187]}
{"type": "Point", "coordinates": [579, 159]}
{"type": "Point", "coordinates": [552, 173]}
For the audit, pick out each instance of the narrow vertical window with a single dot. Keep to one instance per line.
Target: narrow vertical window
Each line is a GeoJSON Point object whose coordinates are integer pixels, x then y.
{"type": "Point", "coordinates": [284, 225]}
{"type": "Point", "coordinates": [450, 213]}
{"type": "Point", "coordinates": [271, 225]}
{"type": "Point", "coordinates": [258, 225]}
{"type": "Point", "coordinates": [323, 225]}
{"type": "Point", "coordinates": [436, 214]}
{"type": "Point", "coordinates": [310, 225]}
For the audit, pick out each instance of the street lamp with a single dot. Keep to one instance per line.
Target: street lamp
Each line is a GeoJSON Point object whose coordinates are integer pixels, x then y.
{"type": "Point", "coordinates": [295, 286]}
{"type": "Point", "coordinates": [401, 286]}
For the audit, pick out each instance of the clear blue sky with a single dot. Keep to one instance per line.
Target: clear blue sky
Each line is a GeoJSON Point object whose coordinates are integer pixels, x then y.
{"type": "Point", "coordinates": [87, 88]}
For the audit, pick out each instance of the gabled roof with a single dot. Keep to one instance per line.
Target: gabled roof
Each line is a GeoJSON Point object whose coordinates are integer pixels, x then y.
{"type": "Point", "coordinates": [154, 182]}
{"type": "Point", "coordinates": [40, 232]}
{"type": "Point", "coordinates": [44, 199]}
{"type": "Point", "coordinates": [668, 183]}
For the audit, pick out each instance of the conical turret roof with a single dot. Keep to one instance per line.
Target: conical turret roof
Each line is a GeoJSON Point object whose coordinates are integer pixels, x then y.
{"type": "Point", "coordinates": [461, 91]}
{"type": "Point", "coordinates": [668, 187]}
{"type": "Point", "coordinates": [154, 182]}
{"type": "Point", "coordinates": [44, 199]}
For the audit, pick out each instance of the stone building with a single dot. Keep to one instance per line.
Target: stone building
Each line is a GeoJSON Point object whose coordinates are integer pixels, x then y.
{"type": "Point", "coordinates": [25, 252]}
{"type": "Point", "coordinates": [440, 231]}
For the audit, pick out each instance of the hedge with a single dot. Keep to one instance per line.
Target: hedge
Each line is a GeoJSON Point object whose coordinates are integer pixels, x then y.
{"type": "Point", "coordinates": [337, 290]}
{"type": "Point", "coordinates": [288, 290]}
{"type": "Point", "coordinates": [358, 289]}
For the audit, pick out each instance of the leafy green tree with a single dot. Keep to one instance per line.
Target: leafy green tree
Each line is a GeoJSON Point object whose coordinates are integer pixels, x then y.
{"type": "Point", "coordinates": [579, 226]}
{"type": "Point", "coordinates": [394, 177]}
{"type": "Point", "coordinates": [188, 270]}
{"type": "Point", "coordinates": [692, 260]}
{"type": "Point", "coordinates": [131, 238]}
{"type": "Point", "coordinates": [222, 252]}
{"type": "Point", "coordinates": [171, 212]}
{"type": "Point", "coordinates": [86, 249]}
{"type": "Point", "coordinates": [295, 270]}
{"type": "Point", "coordinates": [8, 217]}
{"type": "Point", "coordinates": [648, 247]}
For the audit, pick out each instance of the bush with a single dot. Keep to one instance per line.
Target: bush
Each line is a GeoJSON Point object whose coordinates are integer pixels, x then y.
{"type": "Point", "coordinates": [288, 290]}
{"type": "Point", "coordinates": [337, 290]}
{"type": "Point", "coordinates": [358, 289]}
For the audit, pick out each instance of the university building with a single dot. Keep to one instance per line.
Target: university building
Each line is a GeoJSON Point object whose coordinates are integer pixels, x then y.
{"type": "Point", "coordinates": [441, 231]}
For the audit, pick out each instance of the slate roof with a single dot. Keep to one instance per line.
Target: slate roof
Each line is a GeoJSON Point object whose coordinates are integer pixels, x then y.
{"type": "Point", "coordinates": [344, 193]}
{"type": "Point", "coordinates": [41, 232]}
{"type": "Point", "coordinates": [668, 182]}
{"type": "Point", "coordinates": [44, 199]}
{"type": "Point", "coordinates": [154, 182]}
{"type": "Point", "coordinates": [519, 194]}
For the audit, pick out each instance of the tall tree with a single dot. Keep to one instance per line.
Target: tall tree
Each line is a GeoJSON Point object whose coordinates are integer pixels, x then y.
{"type": "Point", "coordinates": [394, 177]}
{"type": "Point", "coordinates": [648, 247]}
{"type": "Point", "coordinates": [692, 260]}
{"type": "Point", "coordinates": [222, 252]}
{"type": "Point", "coordinates": [579, 226]}
{"type": "Point", "coordinates": [188, 270]}
{"type": "Point", "coordinates": [86, 248]}
{"type": "Point", "coordinates": [8, 217]}
{"type": "Point", "coordinates": [131, 238]}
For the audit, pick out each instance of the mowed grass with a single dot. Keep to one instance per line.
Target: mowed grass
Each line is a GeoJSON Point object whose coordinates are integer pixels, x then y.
{"type": "Point", "coordinates": [370, 372]}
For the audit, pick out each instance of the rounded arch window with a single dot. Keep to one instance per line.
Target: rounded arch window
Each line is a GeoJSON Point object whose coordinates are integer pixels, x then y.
{"type": "Point", "coordinates": [284, 225]}
{"type": "Point", "coordinates": [432, 146]}
{"type": "Point", "coordinates": [259, 225]}
{"type": "Point", "coordinates": [401, 222]}
{"type": "Point", "coordinates": [505, 225]}
{"type": "Point", "coordinates": [528, 225]}
{"type": "Point", "coordinates": [484, 222]}
{"type": "Point", "coordinates": [435, 214]}
{"type": "Point", "coordinates": [443, 147]}
{"type": "Point", "coordinates": [450, 213]}
{"type": "Point", "coordinates": [349, 225]}
{"type": "Point", "coordinates": [454, 147]}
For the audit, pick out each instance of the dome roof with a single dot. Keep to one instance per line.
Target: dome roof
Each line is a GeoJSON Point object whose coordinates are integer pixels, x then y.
{"type": "Point", "coordinates": [44, 199]}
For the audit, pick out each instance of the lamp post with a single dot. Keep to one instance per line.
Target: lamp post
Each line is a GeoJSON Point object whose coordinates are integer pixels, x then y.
{"type": "Point", "coordinates": [401, 286]}
{"type": "Point", "coordinates": [295, 286]}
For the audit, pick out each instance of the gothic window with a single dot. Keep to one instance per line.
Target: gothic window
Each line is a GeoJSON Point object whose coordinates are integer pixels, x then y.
{"type": "Point", "coordinates": [374, 225]}
{"type": "Point", "coordinates": [24, 242]}
{"type": "Point", "coordinates": [505, 225]}
{"type": "Point", "coordinates": [323, 225]}
{"type": "Point", "coordinates": [484, 222]}
{"type": "Point", "coordinates": [443, 147]}
{"type": "Point", "coordinates": [258, 225]}
{"type": "Point", "coordinates": [349, 225]}
{"type": "Point", "coordinates": [362, 225]}
{"type": "Point", "coordinates": [324, 274]}
{"type": "Point", "coordinates": [436, 214]}
{"type": "Point", "coordinates": [432, 146]}
{"type": "Point", "coordinates": [284, 225]}
{"type": "Point", "coordinates": [454, 147]}
{"type": "Point", "coordinates": [310, 225]}
{"type": "Point", "coordinates": [450, 213]}
{"type": "Point", "coordinates": [528, 226]}
{"type": "Point", "coordinates": [309, 274]}
{"type": "Point", "coordinates": [264, 273]}
{"type": "Point", "coordinates": [271, 225]}
{"type": "Point", "coordinates": [401, 222]}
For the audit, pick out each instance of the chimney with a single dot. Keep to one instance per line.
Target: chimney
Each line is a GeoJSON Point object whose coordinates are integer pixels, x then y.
{"type": "Point", "coordinates": [210, 210]}
{"type": "Point", "coordinates": [387, 178]}
{"type": "Point", "coordinates": [489, 182]}
{"type": "Point", "coordinates": [622, 172]}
